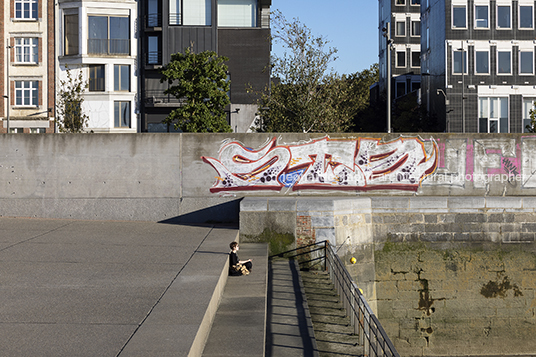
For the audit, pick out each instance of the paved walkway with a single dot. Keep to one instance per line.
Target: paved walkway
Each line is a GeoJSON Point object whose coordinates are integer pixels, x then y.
{"type": "Point", "coordinates": [90, 288]}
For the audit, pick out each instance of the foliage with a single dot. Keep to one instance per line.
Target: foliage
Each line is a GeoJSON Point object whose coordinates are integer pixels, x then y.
{"type": "Point", "coordinates": [199, 81]}
{"type": "Point", "coordinates": [531, 128]}
{"type": "Point", "coordinates": [307, 96]}
{"type": "Point", "coordinates": [410, 117]}
{"type": "Point", "coordinates": [71, 118]}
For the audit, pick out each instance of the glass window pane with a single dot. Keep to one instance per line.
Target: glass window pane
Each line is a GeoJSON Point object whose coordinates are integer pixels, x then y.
{"type": "Point", "coordinates": [237, 13]}
{"type": "Point", "coordinates": [415, 59]}
{"type": "Point", "coordinates": [483, 125]}
{"type": "Point", "coordinates": [483, 108]}
{"type": "Point", "coordinates": [525, 17]}
{"type": "Point", "coordinates": [503, 102]}
{"type": "Point", "coordinates": [459, 61]}
{"type": "Point", "coordinates": [493, 108]}
{"type": "Point", "coordinates": [503, 17]}
{"type": "Point", "coordinates": [197, 12]}
{"type": "Point", "coordinates": [117, 114]}
{"type": "Point", "coordinates": [459, 18]}
{"type": "Point", "coordinates": [482, 62]}
{"type": "Point", "coordinates": [71, 34]}
{"type": "Point", "coordinates": [493, 127]}
{"type": "Point", "coordinates": [504, 62]}
{"type": "Point", "coordinates": [119, 28]}
{"type": "Point", "coordinates": [401, 28]}
{"type": "Point", "coordinates": [481, 16]}
{"type": "Point", "coordinates": [401, 59]}
{"type": "Point", "coordinates": [98, 27]}
{"type": "Point", "coordinates": [415, 28]}
{"type": "Point", "coordinates": [526, 64]}
{"type": "Point", "coordinates": [174, 12]}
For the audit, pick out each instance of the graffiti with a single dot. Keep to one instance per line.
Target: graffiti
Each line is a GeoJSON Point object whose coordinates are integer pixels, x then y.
{"type": "Point", "coordinates": [326, 164]}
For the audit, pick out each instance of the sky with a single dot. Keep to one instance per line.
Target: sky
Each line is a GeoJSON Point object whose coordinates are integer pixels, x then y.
{"type": "Point", "coordinates": [350, 25]}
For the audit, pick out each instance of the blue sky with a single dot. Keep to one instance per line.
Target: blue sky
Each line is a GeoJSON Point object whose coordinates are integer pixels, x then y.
{"type": "Point", "coordinates": [350, 25]}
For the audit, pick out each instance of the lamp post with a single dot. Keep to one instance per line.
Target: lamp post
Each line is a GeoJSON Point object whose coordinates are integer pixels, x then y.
{"type": "Point", "coordinates": [8, 85]}
{"type": "Point", "coordinates": [387, 34]}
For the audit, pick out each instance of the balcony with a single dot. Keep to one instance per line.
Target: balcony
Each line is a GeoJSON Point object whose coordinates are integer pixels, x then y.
{"type": "Point", "coordinates": [107, 47]}
{"type": "Point", "coordinates": [157, 98]}
{"type": "Point", "coordinates": [153, 21]}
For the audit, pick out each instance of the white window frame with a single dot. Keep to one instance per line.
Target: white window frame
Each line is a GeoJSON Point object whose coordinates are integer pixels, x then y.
{"type": "Point", "coordinates": [487, 50]}
{"type": "Point", "coordinates": [526, 111]}
{"type": "Point", "coordinates": [496, 118]}
{"type": "Point", "coordinates": [27, 90]}
{"type": "Point", "coordinates": [527, 50]}
{"type": "Point", "coordinates": [403, 3]}
{"type": "Point", "coordinates": [118, 83]}
{"type": "Point", "coordinates": [119, 119]}
{"type": "Point", "coordinates": [397, 21]}
{"type": "Point", "coordinates": [520, 4]}
{"type": "Point", "coordinates": [503, 50]}
{"type": "Point", "coordinates": [502, 4]}
{"type": "Point", "coordinates": [476, 27]}
{"type": "Point", "coordinates": [411, 59]}
{"type": "Point", "coordinates": [415, 2]}
{"type": "Point", "coordinates": [419, 26]}
{"type": "Point", "coordinates": [458, 5]}
{"type": "Point", "coordinates": [405, 58]}
{"type": "Point", "coordinates": [405, 88]}
{"type": "Point", "coordinates": [464, 59]}
{"type": "Point", "coordinates": [31, 4]}
{"type": "Point", "coordinates": [28, 50]}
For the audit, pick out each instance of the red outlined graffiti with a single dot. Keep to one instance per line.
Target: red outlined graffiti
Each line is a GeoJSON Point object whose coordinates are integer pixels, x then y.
{"type": "Point", "coordinates": [325, 164]}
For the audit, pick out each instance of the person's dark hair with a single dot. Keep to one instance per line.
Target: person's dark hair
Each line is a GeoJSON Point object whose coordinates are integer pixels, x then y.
{"type": "Point", "coordinates": [233, 245]}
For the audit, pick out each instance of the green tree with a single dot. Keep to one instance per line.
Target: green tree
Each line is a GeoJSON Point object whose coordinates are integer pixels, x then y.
{"type": "Point", "coordinates": [307, 95]}
{"type": "Point", "coordinates": [70, 117]}
{"type": "Point", "coordinates": [199, 81]}
{"type": "Point", "coordinates": [531, 128]}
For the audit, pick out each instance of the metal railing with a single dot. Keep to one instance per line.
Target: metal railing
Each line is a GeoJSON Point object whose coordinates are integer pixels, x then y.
{"type": "Point", "coordinates": [108, 46]}
{"type": "Point", "coordinates": [366, 325]}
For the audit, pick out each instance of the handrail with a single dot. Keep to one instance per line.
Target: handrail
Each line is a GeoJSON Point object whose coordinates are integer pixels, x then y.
{"type": "Point", "coordinates": [366, 325]}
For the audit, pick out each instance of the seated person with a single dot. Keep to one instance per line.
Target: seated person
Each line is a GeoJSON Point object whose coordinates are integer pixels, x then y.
{"type": "Point", "coordinates": [236, 266]}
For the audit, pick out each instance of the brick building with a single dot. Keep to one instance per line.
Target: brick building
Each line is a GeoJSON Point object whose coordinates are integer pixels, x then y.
{"type": "Point", "coordinates": [27, 77]}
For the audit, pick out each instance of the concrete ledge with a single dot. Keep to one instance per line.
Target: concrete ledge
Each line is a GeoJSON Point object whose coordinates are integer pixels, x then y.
{"type": "Point", "coordinates": [239, 327]}
{"type": "Point", "coordinates": [180, 322]}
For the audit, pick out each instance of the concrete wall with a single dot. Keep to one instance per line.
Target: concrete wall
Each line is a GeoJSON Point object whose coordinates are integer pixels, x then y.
{"type": "Point", "coordinates": [198, 176]}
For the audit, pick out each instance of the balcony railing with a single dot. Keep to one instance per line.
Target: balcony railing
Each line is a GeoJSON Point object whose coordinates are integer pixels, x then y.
{"type": "Point", "coordinates": [175, 19]}
{"type": "Point", "coordinates": [108, 47]}
{"type": "Point", "coordinates": [157, 98]}
{"type": "Point", "coordinates": [153, 58]}
{"type": "Point", "coordinates": [153, 20]}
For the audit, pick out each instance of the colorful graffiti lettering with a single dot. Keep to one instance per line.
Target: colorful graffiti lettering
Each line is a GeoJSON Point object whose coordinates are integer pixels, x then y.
{"type": "Point", "coordinates": [326, 164]}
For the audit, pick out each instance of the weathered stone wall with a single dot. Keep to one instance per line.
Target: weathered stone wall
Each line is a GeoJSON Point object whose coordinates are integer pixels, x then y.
{"type": "Point", "coordinates": [457, 300]}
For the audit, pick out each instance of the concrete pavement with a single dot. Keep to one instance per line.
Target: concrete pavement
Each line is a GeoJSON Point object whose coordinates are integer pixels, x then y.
{"type": "Point", "coordinates": [91, 288]}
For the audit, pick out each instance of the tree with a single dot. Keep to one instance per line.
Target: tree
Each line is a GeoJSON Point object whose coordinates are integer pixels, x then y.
{"type": "Point", "coordinates": [307, 96]}
{"type": "Point", "coordinates": [199, 81]}
{"type": "Point", "coordinates": [70, 117]}
{"type": "Point", "coordinates": [531, 128]}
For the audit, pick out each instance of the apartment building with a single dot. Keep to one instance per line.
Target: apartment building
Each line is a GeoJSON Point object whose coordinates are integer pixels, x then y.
{"type": "Point", "coordinates": [478, 63]}
{"type": "Point", "coordinates": [404, 17]}
{"type": "Point", "coordinates": [100, 39]}
{"type": "Point", "coordinates": [237, 29]}
{"type": "Point", "coordinates": [27, 69]}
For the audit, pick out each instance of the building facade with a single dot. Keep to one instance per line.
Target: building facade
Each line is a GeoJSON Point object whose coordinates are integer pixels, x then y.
{"type": "Point", "coordinates": [239, 30]}
{"type": "Point", "coordinates": [27, 77]}
{"type": "Point", "coordinates": [478, 63]}
{"type": "Point", "coordinates": [404, 18]}
{"type": "Point", "coordinates": [100, 39]}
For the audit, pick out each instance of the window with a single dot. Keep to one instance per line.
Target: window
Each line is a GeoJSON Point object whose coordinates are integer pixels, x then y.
{"type": "Point", "coordinates": [415, 2]}
{"type": "Point", "coordinates": [401, 59]}
{"type": "Point", "coordinates": [153, 50]}
{"type": "Point", "coordinates": [26, 9]}
{"type": "Point", "coordinates": [482, 62]}
{"type": "Point", "coordinates": [96, 78]}
{"type": "Point", "coordinates": [493, 115]}
{"type": "Point", "coordinates": [459, 16]}
{"type": "Point", "coordinates": [415, 28]}
{"type": "Point", "coordinates": [459, 62]}
{"type": "Point", "coordinates": [109, 35]}
{"type": "Point", "coordinates": [237, 13]}
{"type": "Point", "coordinates": [27, 93]}
{"type": "Point", "coordinates": [401, 2]}
{"type": "Point", "coordinates": [528, 105]}
{"type": "Point", "coordinates": [122, 114]}
{"type": "Point", "coordinates": [16, 130]}
{"type": "Point", "coordinates": [401, 27]}
{"type": "Point", "coordinates": [121, 77]}
{"type": "Point", "coordinates": [38, 130]}
{"type": "Point", "coordinates": [415, 59]}
{"type": "Point", "coordinates": [526, 62]}
{"type": "Point", "coordinates": [400, 89]}
{"type": "Point", "coordinates": [153, 13]}
{"type": "Point", "coordinates": [191, 12]}
{"type": "Point", "coordinates": [71, 34]}
{"type": "Point", "coordinates": [526, 14]}
{"type": "Point", "coordinates": [503, 17]}
{"type": "Point", "coordinates": [504, 62]}
{"type": "Point", "coordinates": [26, 50]}
{"type": "Point", "coordinates": [481, 17]}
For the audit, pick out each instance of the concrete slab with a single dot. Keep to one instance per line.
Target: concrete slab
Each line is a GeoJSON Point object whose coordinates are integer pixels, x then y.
{"type": "Point", "coordinates": [90, 288]}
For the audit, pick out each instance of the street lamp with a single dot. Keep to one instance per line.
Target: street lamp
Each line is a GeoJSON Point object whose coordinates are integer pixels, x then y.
{"type": "Point", "coordinates": [387, 34]}
{"type": "Point", "coordinates": [8, 84]}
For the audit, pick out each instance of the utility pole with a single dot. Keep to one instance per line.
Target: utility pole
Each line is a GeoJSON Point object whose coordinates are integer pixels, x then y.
{"type": "Point", "coordinates": [387, 34]}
